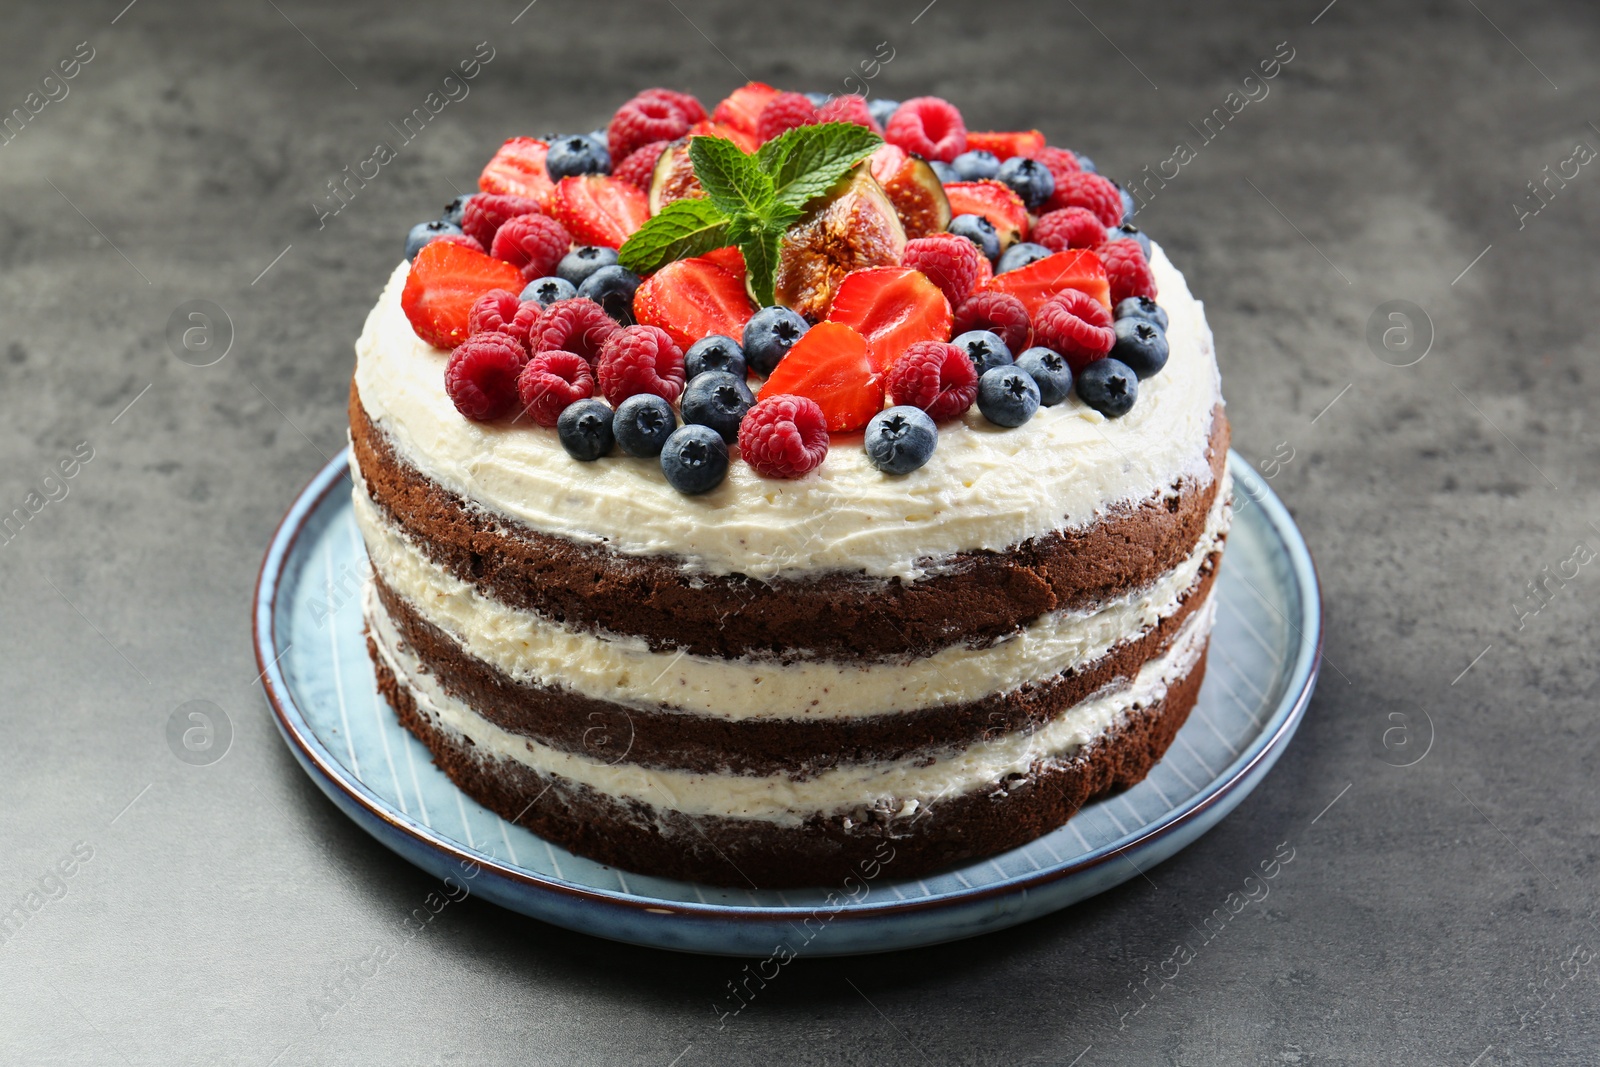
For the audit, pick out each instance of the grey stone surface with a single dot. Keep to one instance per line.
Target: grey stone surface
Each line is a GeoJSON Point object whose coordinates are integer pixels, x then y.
{"type": "Point", "coordinates": [1441, 913]}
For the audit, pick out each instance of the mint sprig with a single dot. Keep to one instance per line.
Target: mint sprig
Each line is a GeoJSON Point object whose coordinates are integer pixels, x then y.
{"type": "Point", "coordinates": [750, 199]}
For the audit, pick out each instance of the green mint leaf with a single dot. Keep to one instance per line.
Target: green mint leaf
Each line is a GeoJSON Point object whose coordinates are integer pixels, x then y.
{"type": "Point", "coordinates": [760, 247]}
{"type": "Point", "coordinates": [731, 179]}
{"type": "Point", "coordinates": [805, 161]}
{"type": "Point", "coordinates": [684, 228]}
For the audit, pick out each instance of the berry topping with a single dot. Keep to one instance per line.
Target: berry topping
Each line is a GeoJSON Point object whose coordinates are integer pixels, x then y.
{"type": "Point", "coordinates": [585, 430]}
{"type": "Point", "coordinates": [883, 110]}
{"type": "Point", "coordinates": [1069, 227]}
{"type": "Point", "coordinates": [695, 459]}
{"type": "Point", "coordinates": [784, 437]}
{"type": "Point", "coordinates": [485, 213]}
{"type": "Point", "coordinates": [424, 232]}
{"type": "Point", "coordinates": [647, 117]}
{"type": "Point", "coordinates": [1089, 190]}
{"type": "Point", "coordinates": [687, 103]}
{"type": "Point", "coordinates": [533, 244]}
{"type": "Point", "coordinates": [1004, 145]}
{"type": "Point", "coordinates": [453, 210]}
{"type": "Point", "coordinates": [546, 291]}
{"type": "Point", "coordinates": [583, 261]}
{"type": "Point", "coordinates": [900, 439]}
{"type": "Point", "coordinates": [714, 352]}
{"type": "Point", "coordinates": [551, 382]}
{"type": "Point", "coordinates": [1049, 372]}
{"type": "Point", "coordinates": [517, 169]}
{"type": "Point", "coordinates": [928, 126]}
{"type": "Point", "coordinates": [597, 209]}
{"type": "Point", "coordinates": [1108, 386]}
{"type": "Point", "coordinates": [1058, 161]}
{"type": "Point", "coordinates": [1131, 232]}
{"type": "Point", "coordinates": [692, 298]}
{"type": "Point", "coordinates": [947, 174]}
{"type": "Point", "coordinates": [1001, 313]}
{"type": "Point", "coordinates": [996, 202]}
{"type": "Point", "coordinates": [499, 311]}
{"type": "Point", "coordinates": [984, 349]}
{"type": "Point", "coordinates": [1127, 271]}
{"type": "Point", "coordinates": [950, 262]}
{"type": "Point", "coordinates": [1075, 325]}
{"type": "Point", "coordinates": [1078, 269]}
{"type": "Point", "coordinates": [975, 166]}
{"type": "Point", "coordinates": [642, 424]}
{"type": "Point", "coordinates": [1141, 345]}
{"type": "Point", "coordinates": [830, 365]}
{"type": "Point", "coordinates": [445, 281]}
{"type": "Point", "coordinates": [783, 113]}
{"type": "Point", "coordinates": [640, 166]}
{"type": "Point", "coordinates": [1007, 396]}
{"type": "Point", "coordinates": [719, 400]}
{"type": "Point", "coordinates": [980, 232]}
{"type": "Point", "coordinates": [742, 109]}
{"type": "Point", "coordinates": [460, 239]}
{"type": "Point", "coordinates": [640, 359]}
{"type": "Point", "coordinates": [481, 377]}
{"type": "Point", "coordinates": [769, 335]}
{"type": "Point", "coordinates": [1020, 255]}
{"type": "Point", "coordinates": [851, 108]}
{"type": "Point", "coordinates": [1141, 307]}
{"type": "Point", "coordinates": [613, 289]}
{"type": "Point", "coordinates": [1029, 179]}
{"type": "Point", "coordinates": [575, 325]}
{"type": "Point", "coordinates": [893, 308]}
{"type": "Point", "coordinates": [578, 154]}
{"type": "Point", "coordinates": [936, 377]}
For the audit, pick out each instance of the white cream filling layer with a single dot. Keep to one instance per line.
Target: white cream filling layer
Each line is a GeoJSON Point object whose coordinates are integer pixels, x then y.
{"type": "Point", "coordinates": [531, 648]}
{"type": "Point", "coordinates": [901, 787]}
{"type": "Point", "coordinates": [985, 488]}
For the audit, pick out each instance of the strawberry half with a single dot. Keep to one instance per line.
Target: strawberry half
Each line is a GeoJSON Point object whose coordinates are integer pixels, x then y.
{"type": "Point", "coordinates": [1077, 268]}
{"type": "Point", "coordinates": [692, 298]}
{"type": "Point", "coordinates": [598, 210]}
{"type": "Point", "coordinates": [995, 202]}
{"type": "Point", "coordinates": [893, 308]}
{"type": "Point", "coordinates": [518, 168]}
{"type": "Point", "coordinates": [729, 259]}
{"type": "Point", "coordinates": [830, 365]}
{"type": "Point", "coordinates": [445, 281]}
{"type": "Point", "coordinates": [742, 108]}
{"type": "Point", "coordinates": [747, 142]}
{"type": "Point", "coordinates": [1005, 145]}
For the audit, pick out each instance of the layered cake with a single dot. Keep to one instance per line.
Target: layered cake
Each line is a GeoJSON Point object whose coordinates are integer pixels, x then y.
{"type": "Point", "coordinates": [812, 486]}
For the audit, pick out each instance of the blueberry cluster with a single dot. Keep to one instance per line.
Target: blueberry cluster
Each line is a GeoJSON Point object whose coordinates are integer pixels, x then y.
{"type": "Point", "coordinates": [1111, 385]}
{"type": "Point", "coordinates": [589, 271]}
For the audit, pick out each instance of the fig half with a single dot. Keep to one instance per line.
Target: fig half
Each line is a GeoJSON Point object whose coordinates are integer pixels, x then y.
{"type": "Point", "coordinates": [914, 189]}
{"type": "Point", "coordinates": [852, 226]}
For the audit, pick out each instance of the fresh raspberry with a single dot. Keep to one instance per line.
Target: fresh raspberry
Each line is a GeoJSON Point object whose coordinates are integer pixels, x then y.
{"type": "Point", "coordinates": [686, 103]}
{"type": "Point", "coordinates": [576, 325]}
{"type": "Point", "coordinates": [928, 126]}
{"type": "Point", "coordinates": [534, 244]}
{"type": "Point", "coordinates": [1059, 162]}
{"type": "Point", "coordinates": [783, 113]}
{"type": "Point", "coordinates": [640, 359]}
{"type": "Point", "coordinates": [1083, 189]}
{"type": "Point", "coordinates": [999, 313]}
{"type": "Point", "coordinates": [985, 275]}
{"type": "Point", "coordinates": [481, 376]}
{"type": "Point", "coordinates": [1076, 325]}
{"type": "Point", "coordinates": [499, 311]}
{"type": "Point", "coordinates": [784, 436]}
{"type": "Point", "coordinates": [461, 239]}
{"type": "Point", "coordinates": [550, 382]}
{"type": "Point", "coordinates": [1069, 227]}
{"type": "Point", "coordinates": [642, 120]}
{"type": "Point", "coordinates": [1127, 270]}
{"type": "Point", "coordinates": [935, 376]}
{"type": "Point", "coordinates": [850, 107]}
{"type": "Point", "coordinates": [950, 262]}
{"type": "Point", "coordinates": [640, 166]}
{"type": "Point", "coordinates": [487, 212]}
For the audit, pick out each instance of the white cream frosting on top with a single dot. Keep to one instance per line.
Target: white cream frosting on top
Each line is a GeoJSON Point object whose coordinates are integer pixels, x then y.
{"type": "Point", "coordinates": [986, 488]}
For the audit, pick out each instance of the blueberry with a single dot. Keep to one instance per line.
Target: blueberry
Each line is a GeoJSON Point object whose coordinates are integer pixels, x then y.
{"type": "Point", "coordinates": [583, 261]}
{"type": "Point", "coordinates": [600, 137]}
{"type": "Point", "coordinates": [1049, 372]}
{"type": "Point", "coordinates": [1140, 344]}
{"type": "Point", "coordinates": [1142, 307]}
{"type": "Point", "coordinates": [423, 232]}
{"type": "Point", "coordinates": [612, 288]}
{"type": "Point", "coordinates": [1109, 386]}
{"type": "Point", "coordinates": [882, 109]}
{"type": "Point", "coordinates": [456, 208]}
{"type": "Point", "coordinates": [769, 335]}
{"type": "Point", "coordinates": [1085, 163]}
{"type": "Point", "coordinates": [1129, 206]}
{"type": "Point", "coordinates": [818, 99]}
{"type": "Point", "coordinates": [976, 165]}
{"type": "Point", "coordinates": [642, 424]}
{"type": "Point", "coordinates": [944, 171]}
{"type": "Point", "coordinates": [585, 429]}
{"type": "Point", "coordinates": [1007, 396]}
{"type": "Point", "coordinates": [980, 231]}
{"type": "Point", "coordinates": [901, 439]}
{"type": "Point", "coordinates": [986, 350]}
{"type": "Point", "coordinates": [1029, 179]}
{"type": "Point", "coordinates": [1020, 255]}
{"type": "Point", "coordinates": [714, 352]}
{"type": "Point", "coordinates": [1129, 230]}
{"type": "Point", "coordinates": [548, 290]}
{"type": "Point", "coordinates": [577, 154]}
{"type": "Point", "coordinates": [719, 400]}
{"type": "Point", "coordinates": [695, 459]}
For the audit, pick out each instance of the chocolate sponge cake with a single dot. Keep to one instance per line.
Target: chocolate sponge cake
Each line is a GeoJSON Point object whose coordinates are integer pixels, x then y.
{"type": "Point", "coordinates": [766, 679]}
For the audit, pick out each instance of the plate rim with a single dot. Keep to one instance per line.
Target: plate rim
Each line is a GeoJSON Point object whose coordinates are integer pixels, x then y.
{"type": "Point", "coordinates": [314, 755]}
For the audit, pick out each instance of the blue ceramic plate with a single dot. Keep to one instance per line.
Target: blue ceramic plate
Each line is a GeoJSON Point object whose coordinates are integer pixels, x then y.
{"type": "Point", "coordinates": [309, 642]}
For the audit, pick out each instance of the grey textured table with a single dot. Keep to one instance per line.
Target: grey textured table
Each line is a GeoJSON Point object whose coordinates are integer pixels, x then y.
{"type": "Point", "coordinates": [1441, 912]}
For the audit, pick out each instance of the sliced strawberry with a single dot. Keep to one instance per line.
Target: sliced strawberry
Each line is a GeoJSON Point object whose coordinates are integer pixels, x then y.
{"type": "Point", "coordinates": [598, 210]}
{"type": "Point", "coordinates": [742, 108]}
{"type": "Point", "coordinates": [1006, 145]}
{"type": "Point", "coordinates": [993, 201]}
{"type": "Point", "coordinates": [830, 365]}
{"type": "Point", "coordinates": [1077, 268]}
{"type": "Point", "coordinates": [445, 281]}
{"type": "Point", "coordinates": [729, 259]}
{"type": "Point", "coordinates": [747, 142]}
{"type": "Point", "coordinates": [886, 161]}
{"type": "Point", "coordinates": [518, 168]}
{"type": "Point", "coordinates": [893, 308]}
{"type": "Point", "coordinates": [692, 298]}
